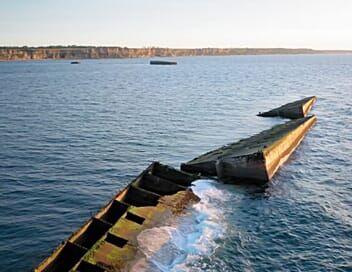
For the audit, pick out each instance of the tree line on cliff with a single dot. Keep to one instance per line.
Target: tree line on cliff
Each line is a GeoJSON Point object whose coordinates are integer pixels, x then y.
{"type": "Point", "coordinates": [96, 52]}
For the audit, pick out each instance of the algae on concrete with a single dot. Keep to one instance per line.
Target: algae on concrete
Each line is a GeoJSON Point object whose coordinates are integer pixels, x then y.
{"type": "Point", "coordinates": [107, 242]}
{"type": "Point", "coordinates": [251, 147]}
{"type": "Point", "coordinates": [118, 257]}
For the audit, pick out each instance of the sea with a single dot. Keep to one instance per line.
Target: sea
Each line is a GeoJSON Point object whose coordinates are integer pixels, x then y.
{"type": "Point", "coordinates": [71, 136]}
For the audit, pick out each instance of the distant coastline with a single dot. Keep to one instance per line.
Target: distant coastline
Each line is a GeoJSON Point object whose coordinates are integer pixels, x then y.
{"type": "Point", "coordinates": [101, 52]}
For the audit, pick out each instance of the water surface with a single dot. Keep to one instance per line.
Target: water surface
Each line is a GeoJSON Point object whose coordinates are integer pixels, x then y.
{"type": "Point", "coordinates": [72, 135]}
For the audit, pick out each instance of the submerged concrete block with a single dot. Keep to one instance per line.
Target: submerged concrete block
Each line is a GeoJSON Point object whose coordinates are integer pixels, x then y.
{"type": "Point", "coordinates": [162, 62]}
{"type": "Point", "coordinates": [256, 158]}
{"type": "Point", "coordinates": [293, 110]}
{"type": "Point", "coordinates": [262, 165]}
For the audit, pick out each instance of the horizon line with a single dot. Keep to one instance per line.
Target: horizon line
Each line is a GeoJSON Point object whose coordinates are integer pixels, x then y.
{"type": "Point", "coordinates": [161, 47]}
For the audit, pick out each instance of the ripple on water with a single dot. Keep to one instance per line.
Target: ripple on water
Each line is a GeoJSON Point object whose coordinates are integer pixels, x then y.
{"type": "Point", "coordinates": [70, 137]}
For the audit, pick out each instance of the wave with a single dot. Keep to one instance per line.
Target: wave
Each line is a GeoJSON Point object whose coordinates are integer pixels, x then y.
{"type": "Point", "coordinates": [173, 247]}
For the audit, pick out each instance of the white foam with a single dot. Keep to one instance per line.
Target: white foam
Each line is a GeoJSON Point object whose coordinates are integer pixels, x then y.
{"type": "Point", "coordinates": [170, 248]}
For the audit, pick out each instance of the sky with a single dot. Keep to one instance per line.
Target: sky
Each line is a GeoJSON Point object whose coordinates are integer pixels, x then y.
{"type": "Point", "coordinates": [317, 24]}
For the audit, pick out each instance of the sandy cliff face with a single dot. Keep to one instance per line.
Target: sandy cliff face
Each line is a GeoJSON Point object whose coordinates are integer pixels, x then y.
{"type": "Point", "coordinates": [29, 53]}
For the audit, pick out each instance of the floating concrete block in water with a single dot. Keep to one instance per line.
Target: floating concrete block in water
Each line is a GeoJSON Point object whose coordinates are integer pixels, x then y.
{"type": "Point", "coordinates": [293, 110]}
{"type": "Point", "coordinates": [162, 62]}
{"type": "Point", "coordinates": [253, 159]}
{"type": "Point", "coordinates": [108, 241]}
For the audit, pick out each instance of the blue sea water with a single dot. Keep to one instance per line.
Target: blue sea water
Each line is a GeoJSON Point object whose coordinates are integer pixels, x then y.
{"type": "Point", "coordinates": [73, 135]}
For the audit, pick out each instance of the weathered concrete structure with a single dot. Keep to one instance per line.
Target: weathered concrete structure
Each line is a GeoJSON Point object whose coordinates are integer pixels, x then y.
{"type": "Point", "coordinates": [293, 110]}
{"type": "Point", "coordinates": [162, 62]}
{"type": "Point", "coordinates": [108, 241]}
{"type": "Point", "coordinates": [253, 159]}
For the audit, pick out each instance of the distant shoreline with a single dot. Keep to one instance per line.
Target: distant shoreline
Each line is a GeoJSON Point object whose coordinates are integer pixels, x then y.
{"type": "Point", "coordinates": [103, 52]}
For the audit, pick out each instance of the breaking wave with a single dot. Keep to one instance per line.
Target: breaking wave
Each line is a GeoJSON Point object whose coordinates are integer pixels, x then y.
{"type": "Point", "coordinates": [171, 247]}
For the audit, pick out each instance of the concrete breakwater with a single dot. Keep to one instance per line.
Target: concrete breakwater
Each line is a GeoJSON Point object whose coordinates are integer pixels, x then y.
{"type": "Point", "coordinates": [293, 110]}
{"type": "Point", "coordinates": [109, 240]}
{"type": "Point", "coordinates": [257, 158]}
{"type": "Point", "coordinates": [253, 159]}
{"type": "Point", "coordinates": [162, 62]}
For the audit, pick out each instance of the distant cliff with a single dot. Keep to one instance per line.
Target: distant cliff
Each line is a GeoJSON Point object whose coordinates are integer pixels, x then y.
{"type": "Point", "coordinates": [78, 52]}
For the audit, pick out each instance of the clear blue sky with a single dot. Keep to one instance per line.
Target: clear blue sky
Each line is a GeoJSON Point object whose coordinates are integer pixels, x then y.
{"type": "Point", "coordinates": [320, 24]}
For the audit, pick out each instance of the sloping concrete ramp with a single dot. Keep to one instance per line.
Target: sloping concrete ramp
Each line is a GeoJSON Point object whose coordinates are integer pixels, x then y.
{"type": "Point", "coordinates": [293, 110]}
{"type": "Point", "coordinates": [108, 241]}
{"type": "Point", "coordinates": [253, 159]}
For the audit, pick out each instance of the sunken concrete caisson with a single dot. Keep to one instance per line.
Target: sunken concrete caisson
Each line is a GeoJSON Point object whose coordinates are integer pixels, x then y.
{"type": "Point", "coordinates": [108, 241]}
{"type": "Point", "coordinates": [253, 159]}
{"type": "Point", "coordinates": [162, 62]}
{"type": "Point", "coordinates": [293, 110]}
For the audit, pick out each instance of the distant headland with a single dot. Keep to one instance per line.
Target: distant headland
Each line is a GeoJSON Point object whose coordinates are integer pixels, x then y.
{"type": "Point", "coordinates": [100, 52]}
